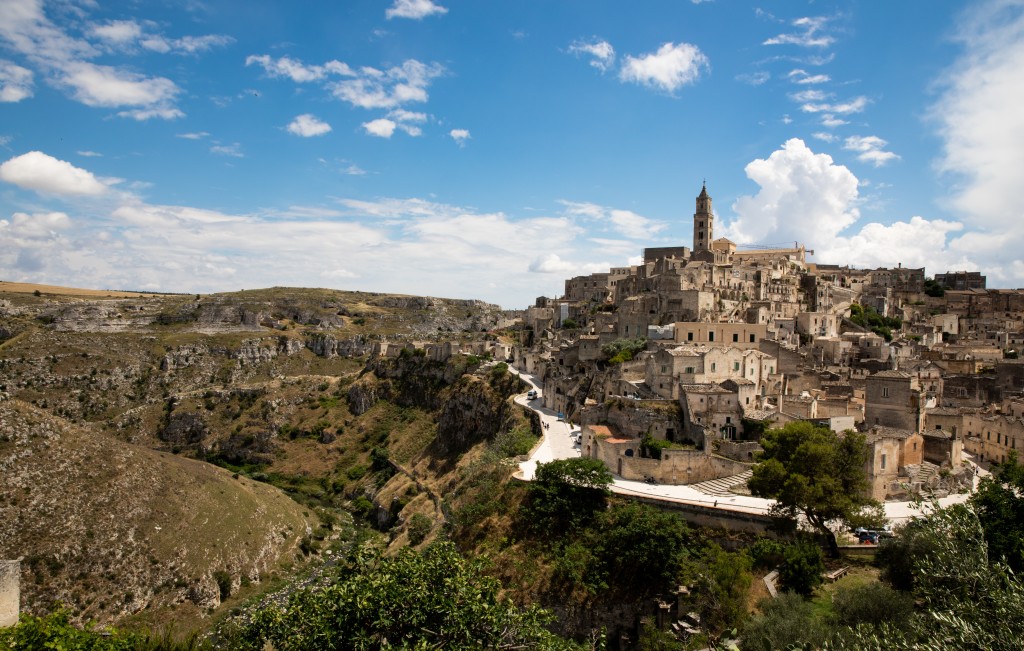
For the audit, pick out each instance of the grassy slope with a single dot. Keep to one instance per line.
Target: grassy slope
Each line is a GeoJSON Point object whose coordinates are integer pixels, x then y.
{"type": "Point", "coordinates": [109, 528]}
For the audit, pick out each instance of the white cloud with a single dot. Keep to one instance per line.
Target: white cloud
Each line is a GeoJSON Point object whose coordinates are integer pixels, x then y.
{"type": "Point", "coordinates": [601, 52]}
{"type": "Point", "coordinates": [234, 150]}
{"type": "Point", "coordinates": [38, 225]}
{"type": "Point", "coordinates": [195, 135]}
{"type": "Point", "coordinates": [388, 89]}
{"type": "Point", "coordinates": [799, 76]}
{"type": "Point", "coordinates": [979, 118]}
{"type": "Point", "coordinates": [870, 149]}
{"type": "Point", "coordinates": [831, 121]}
{"type": "Point", "coordinates": [460, 136]}
{"type": "Point", "coordinates": [381, 127]}
{"type": "Point", "coordinates": [670, 68]}
{"type": "Point", "coordinates": [43, 173]}
{"type": "Point", "coordinates": [415, 9]}
{"type": "Point", "coordinates": [810, 95]}
{"type": "Point", "coordinates": [15, 82]}
{"type": "Point", "coordinates": [296, 70]}
{"type": "Point", "coordinates": [755, 78]}
{"type": "Point", "coordinates": [803, 196]}
{"type": "Point", "coordinates": [824, 136]}
{"type": "Point", "coordinates": [402, 115]}
{"type": "Point", "coordinates": [118, 32]}
{"type": "Point", "coordinates": [96, 85]}
{"type": "Point", "coordinates": [807, 35]}
{"type": "Point", "coordinates": [626, 222]}
{"type": "Point", "coordinates": [164, 113]}
{"type": "Point", "coordinates": [855, 105]}
{"type": "Point", "coordinates": [307, 125]}
{"type": "Point", "coordinates": [89, 154]}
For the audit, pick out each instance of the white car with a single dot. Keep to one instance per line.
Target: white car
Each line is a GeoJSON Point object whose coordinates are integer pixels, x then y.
{"type": "Point", "coordinates": [532, 394]}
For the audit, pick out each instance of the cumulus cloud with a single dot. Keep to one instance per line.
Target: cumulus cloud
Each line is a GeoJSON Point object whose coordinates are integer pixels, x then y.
{"type": "Point", "coordinates": [96, 85]}
{"type": "Point", "coordinates": [414, 9]}
{"type": "Point", "coordinates": [979, 119]}
{"type": "Point", "coordinates": [66, 60]}
{"type": "Point", "coordinates": [831, 121]}
{"type": "Point", "coordinates": [460, 136]}
{"type": "Point", "coordinates": [118, 32]}
{"type": "Point", "coordinates": [381, 127]}
{"type": "Point", "coordinates": [670, 68]}
{"type": "Point", "coordinates": [803, 196]}
{"type": "Point", "coordinates": [296, 70]}
{"type": "Point", "coordinates": [807, 34]}
{"type": "Point", "coordinates": [15, 82]}
{"type": "Point", "coordinates": [870, 149]}
{"type": "Point", "coordinates": [601, 52]}
{"type": "Point", "coordinates": [43, 173]}
{"type": "Point", "coordinates": [308, 125]}
{"type": "Point", "coordinates": [388, 88]}
{"type": "Point", "coordinates": [35, 226]}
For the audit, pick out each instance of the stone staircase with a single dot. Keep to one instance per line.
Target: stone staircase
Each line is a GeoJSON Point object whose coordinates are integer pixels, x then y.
{"type": "Point", "coordinates": [721, 487]}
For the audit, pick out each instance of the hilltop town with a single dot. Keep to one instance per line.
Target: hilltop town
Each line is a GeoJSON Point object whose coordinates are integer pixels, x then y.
{"type": "Point", "coordinates": [675, 366]}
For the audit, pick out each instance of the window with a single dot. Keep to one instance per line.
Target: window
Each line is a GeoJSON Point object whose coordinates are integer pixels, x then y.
{"type": "Point", "coordinates": [885, 392]}
{"type": "Point", "coordinates": [735, 366]}
{"type": "Point", "coordinates": [883, 462]}
{"type": "Point", "coordinates": [711, 336]}
{"type": "Point", "coordinates": [664, 369]}
{"type": "Point", "coordinates": [751, 338]}
{"type": "Point", "coordinates": [736, 336]}
{"type": "Point", "coordinates": [689, 369]}
{"type": "Point", "coordinates": [728, 419]}
{"type": "Point", "coordinates": [689, 336]}
{"type": "Point", "coordinates": [713, 367]}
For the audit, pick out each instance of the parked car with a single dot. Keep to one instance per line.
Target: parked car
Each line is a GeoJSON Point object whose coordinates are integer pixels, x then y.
{"type": "Point", "coordinates": [532, 394]}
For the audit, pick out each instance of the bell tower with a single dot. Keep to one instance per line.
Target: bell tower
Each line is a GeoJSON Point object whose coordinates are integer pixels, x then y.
{"type": "Point", "coordinates": [703, 222]}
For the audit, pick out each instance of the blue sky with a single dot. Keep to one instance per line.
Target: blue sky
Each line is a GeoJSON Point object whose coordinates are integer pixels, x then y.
{"type": "Point", "coordinates": [492, 149]}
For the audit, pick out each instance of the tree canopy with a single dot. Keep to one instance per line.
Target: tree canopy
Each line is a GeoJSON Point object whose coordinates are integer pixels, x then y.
{"type": "Point", "coordinates": [429, 600]}
{"type": "Point", "coordinates": [567, 493]}
{"type": "Point", "coordinates": [812, 471]}
{"type": "Point", "coordinates": [999, 503]}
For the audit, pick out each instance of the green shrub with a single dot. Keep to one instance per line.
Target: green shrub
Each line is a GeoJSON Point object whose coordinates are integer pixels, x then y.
{"type": "Point", "coordinates": [418, 528]}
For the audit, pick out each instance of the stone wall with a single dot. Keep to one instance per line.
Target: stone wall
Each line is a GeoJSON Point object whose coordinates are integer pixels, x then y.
{"type": "Point", "coordinates": [10, 592]}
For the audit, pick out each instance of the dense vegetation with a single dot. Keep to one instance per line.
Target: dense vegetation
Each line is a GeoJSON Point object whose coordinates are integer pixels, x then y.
{"type": "Point", "coordinates": [867, 317]}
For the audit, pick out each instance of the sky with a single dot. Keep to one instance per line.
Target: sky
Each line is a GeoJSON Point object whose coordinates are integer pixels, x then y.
{"type": "Point", "coordinates": [493, 149]}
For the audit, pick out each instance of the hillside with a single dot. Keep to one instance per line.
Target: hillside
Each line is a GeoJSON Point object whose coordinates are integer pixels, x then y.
{"type": "Point", "coordinates": [118, 410]}
{"type": "Point", "coordinates": [110, 528]}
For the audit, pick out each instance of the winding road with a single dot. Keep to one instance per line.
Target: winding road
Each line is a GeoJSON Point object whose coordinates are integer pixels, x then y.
{"type": "Point", "coordinates": [557, 443]}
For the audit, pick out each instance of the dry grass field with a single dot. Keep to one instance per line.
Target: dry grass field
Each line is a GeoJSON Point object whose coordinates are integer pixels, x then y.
{"type": "Point", "coordinates": [31, 288]}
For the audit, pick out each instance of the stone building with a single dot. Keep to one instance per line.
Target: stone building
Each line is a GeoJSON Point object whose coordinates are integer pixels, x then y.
{"type": "Point", "coordinates": [893, 399]}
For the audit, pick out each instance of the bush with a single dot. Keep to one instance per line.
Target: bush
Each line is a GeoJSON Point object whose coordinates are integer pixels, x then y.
{"type": "Point", "coordinates": [418, 528]}
{"type": "Point", "coordinates": [784, 621]}
{"type": "Point", "coordinates": [803, 566]}
{"type": "Point", "coordinates": [873, 604]}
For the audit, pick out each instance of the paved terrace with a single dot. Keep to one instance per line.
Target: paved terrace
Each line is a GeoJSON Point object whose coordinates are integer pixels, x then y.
{"type": "Point", "coordinates": [557, 443]}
